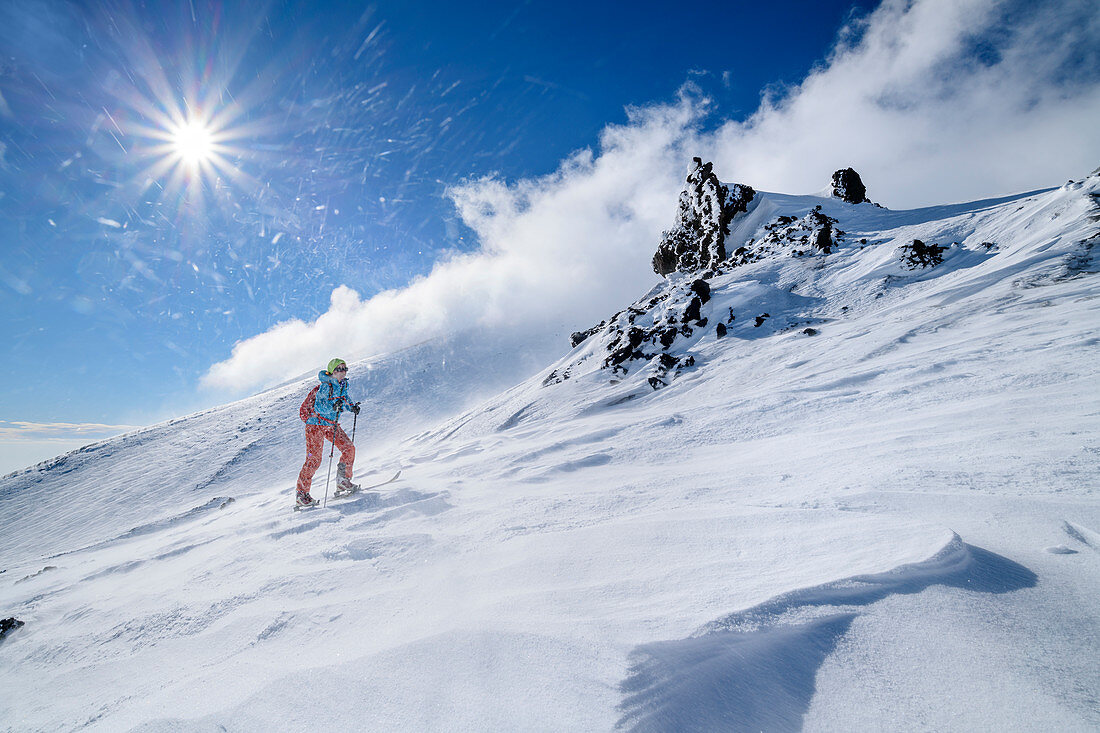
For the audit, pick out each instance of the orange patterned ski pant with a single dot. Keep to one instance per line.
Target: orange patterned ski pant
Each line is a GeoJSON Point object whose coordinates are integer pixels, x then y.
{"type": "Point", "coordinates": [316, 435]}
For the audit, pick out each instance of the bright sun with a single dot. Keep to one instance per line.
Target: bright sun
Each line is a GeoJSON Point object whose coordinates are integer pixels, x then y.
{"type": "Point", "coordinates": [193, 142]}
{"type": "Point", "coordinates": [192, 146]}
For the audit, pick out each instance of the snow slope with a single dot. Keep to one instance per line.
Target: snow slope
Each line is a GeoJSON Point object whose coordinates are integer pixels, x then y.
{"type": "Point", "coordinates": [891, 524]}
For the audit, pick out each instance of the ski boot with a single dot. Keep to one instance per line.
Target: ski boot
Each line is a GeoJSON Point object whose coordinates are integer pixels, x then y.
{"type": "Point", "coordinates": [303, 500]}
{"type": "Point", "coordinates": [343, 483]}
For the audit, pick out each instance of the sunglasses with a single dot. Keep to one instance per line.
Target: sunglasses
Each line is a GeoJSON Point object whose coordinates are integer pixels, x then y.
{"type": "Point", "coordinates": [340, 369]}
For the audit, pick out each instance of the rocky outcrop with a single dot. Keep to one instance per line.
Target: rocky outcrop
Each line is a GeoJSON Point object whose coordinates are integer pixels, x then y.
{"type": "Point", "coordinates": [814, 233]}
{"type": "Point", "coordinates": [647, 334]}
{"type": "Point", "coordinates": [707, 206]}
{"type": "Point", "coordinates": [654, 334]}
{"type": "Point", "coordinates": [848, 187]}
{"type": "Point", "coordinates": [9, 624]}
{"type": "Point", "coordinates": [921, 255]}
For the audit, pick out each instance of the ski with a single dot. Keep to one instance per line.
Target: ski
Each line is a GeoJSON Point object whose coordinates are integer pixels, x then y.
{"type": "Point", "coordinates": [340, 494]}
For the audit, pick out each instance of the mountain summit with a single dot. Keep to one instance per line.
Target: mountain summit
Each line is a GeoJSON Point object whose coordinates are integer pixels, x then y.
{"type": "Point", "coordinates": [849, 188]}
{"type": "Point", "coordinates": [744, 264]}
{"type": "Point", "coordinates": [707, 206]}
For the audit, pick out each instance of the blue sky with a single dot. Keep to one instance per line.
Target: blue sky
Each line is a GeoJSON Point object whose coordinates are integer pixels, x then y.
{"type": "Point", "coordinates": [367, 112]}
{"type": "Point", "coordinates": [351, 130]}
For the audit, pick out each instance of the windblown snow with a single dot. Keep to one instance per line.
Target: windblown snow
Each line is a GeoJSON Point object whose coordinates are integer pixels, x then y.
{"type": "Point", "coordinates": [869, 504]}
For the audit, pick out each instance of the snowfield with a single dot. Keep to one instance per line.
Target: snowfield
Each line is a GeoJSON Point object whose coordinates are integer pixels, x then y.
{"type": "Point", "coordinates": [888, 522]}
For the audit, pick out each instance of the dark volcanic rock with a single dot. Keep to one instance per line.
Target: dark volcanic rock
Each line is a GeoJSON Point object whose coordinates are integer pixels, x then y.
{"type": "Point", "coordinates": [652, 337]}
{"type": "Point", "coordinates": [692, 312]}
{"type": "Point", "coordinates": [824, 239]}
{"type": "Point", "coordinates": [919, 254]}
{"type": "Point", "coordinates": [9, 624]}
{"type": "Point", "coordinates": [823, 235]}
{"type": "Point", "coordinates": [702, 289]}
{"type": "Point", "coordinates": [666, 363]}
{"type": "Point", "coordinates": [813, 233]}
{"type": "Point", "coordinates": [578, 337]}
{"type": "Point", "coordinates": [698, 241]}
{"type": "Point", "coordinates": [649, 334]}
{"type": "Point", "coordinates": [847, 186]}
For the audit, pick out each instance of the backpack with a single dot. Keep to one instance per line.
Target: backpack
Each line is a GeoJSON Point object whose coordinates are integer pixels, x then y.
{"type": "Point", "coordinates": [306, 411]}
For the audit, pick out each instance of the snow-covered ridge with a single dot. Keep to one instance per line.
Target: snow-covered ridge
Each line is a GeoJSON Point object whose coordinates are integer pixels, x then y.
{"type": "Point", "coordinates": [877, 485]}
{"type": "Point", "coordinates": [780, 281]}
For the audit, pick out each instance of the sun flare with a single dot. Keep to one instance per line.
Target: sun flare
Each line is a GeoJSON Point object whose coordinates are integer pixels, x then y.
{"type": "Point", "coordinates": [192, 148]}
{"type": "Point", "coordinates": [193, 142]}
{"type": "Point", "coordinates": [190, 132]}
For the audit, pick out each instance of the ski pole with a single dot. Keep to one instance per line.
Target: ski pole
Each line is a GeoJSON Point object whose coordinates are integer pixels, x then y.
{"type": "Point", "coordinates": [328, 474]}
{"type": "Point", "coordinates": [353, 421]}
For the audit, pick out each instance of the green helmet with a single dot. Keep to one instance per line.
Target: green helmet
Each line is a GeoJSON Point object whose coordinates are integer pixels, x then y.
{"type": "Point", "coordinates": [335, 363]}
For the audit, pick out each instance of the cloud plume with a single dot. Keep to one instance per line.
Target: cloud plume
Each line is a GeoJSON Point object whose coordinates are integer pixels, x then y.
{"type": "Point", "coordinates": [932, 101]}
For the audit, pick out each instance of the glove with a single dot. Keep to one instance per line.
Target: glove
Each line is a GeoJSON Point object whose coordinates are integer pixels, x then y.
{"type": "Point", "coordinates": [354, 407]}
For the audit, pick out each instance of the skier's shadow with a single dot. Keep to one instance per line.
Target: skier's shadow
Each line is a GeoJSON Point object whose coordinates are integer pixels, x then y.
{"type": "Point", "coordinates": [752, 671]}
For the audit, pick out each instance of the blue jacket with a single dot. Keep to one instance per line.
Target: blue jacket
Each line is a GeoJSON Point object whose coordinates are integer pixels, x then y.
{"type": "Point", "coordinates": [330, 400]}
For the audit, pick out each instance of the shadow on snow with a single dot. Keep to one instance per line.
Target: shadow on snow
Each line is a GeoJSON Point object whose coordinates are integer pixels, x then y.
{"type": "Point", "coordinates": [756, 669]}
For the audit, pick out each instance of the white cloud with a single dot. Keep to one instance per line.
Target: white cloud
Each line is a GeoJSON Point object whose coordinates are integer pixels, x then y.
{"type": "Point", "coordinates": [23, 444]}
{"type": "Point", "coordinates": [932, 101]}
{"type": "Point", "coordinates": [935, 101]}
{"type": "Point", "coordinates": [16, 430]}
{"type": "Point", "coordinates": [554, 252]}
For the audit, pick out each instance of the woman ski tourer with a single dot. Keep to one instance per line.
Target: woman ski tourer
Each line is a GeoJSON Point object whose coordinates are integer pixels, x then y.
{"type": "Point", "coordinates": [321, 413]}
